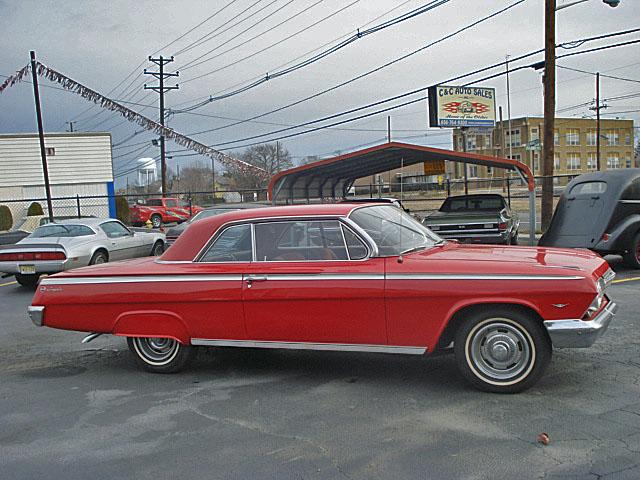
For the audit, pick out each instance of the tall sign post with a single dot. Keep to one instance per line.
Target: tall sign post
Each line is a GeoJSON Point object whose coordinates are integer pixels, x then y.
{"type": "Point", "coordinates": [43, 151]}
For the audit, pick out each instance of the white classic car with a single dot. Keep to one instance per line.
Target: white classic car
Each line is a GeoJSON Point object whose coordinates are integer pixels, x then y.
{"type": "Point", "coordinates": [75, 243]}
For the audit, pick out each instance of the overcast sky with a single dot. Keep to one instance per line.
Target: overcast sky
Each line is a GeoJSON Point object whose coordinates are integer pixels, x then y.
{"type": "Point", "coordinates": [100, 43]}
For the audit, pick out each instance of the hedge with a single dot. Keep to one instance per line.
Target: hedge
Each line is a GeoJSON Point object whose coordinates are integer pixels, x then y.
{"type": "Point", "coordinates": [122, 210]}
{"type": "Point", "coordinates": [6, 219]}
{"type": "Point", "coordinates": [35, 209]}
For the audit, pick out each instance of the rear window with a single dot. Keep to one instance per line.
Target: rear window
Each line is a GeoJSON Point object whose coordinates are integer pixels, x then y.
{"type": "Point", "coordinates": [459, 204]}
{"type": "Point", "coordinates": [52, 230]}
{"type": "Point", "coordinates": [588, 188]}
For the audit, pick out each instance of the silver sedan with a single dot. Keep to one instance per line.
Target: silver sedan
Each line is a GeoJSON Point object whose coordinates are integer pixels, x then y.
{"type": "Point", "coordinates": [77, 243]}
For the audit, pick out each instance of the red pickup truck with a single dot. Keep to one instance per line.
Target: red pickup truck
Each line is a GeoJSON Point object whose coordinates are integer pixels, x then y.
{"type": "Point", "coordinates": [162, 210]}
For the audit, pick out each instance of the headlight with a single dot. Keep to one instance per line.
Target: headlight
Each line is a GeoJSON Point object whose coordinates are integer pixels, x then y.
{"type": "Point", "coordinates": [601, 286]}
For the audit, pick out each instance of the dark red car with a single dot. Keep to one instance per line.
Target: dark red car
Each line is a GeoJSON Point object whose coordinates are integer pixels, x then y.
{"type": "Point", "coordinates": [342, 277]}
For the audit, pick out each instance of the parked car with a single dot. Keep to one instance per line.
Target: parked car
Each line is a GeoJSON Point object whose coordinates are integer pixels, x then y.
{"type": "Point", "coordinates": [478, 218]}
{"type": "Point", "coordinates": [599, 211]}
{"type": "Point", "coordinates": [344, 277]}
{"type": "Point", "coordinates": [162, 210]}
{"type": "Point", "coordinates": [56, 247]}
{"type": "Point", "coordinates": [174, 232]}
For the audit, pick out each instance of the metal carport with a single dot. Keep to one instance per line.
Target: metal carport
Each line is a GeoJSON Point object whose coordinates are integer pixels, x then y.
{"type": "Point", "coordinates": [333, 177]}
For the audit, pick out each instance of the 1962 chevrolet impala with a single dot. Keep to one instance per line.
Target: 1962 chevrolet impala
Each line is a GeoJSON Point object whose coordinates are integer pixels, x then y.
{"type": "Point", "coordinates": [340, 277]}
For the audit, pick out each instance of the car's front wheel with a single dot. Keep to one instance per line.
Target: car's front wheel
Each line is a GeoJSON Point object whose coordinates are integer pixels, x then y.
{"type": "Point", "coordinates": [156, 221]}
{"type": "Point", "coordinates": [632, 257]}
{"type": "Point", "coordinates": [502, 350]}
{"type": "Point", "coordinates": [27, 280]}
{"type": "Point", "coordinates": [160, 355]}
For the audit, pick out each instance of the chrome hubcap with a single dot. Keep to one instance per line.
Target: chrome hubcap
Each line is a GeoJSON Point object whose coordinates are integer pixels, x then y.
{"type": "Point", "coordinates": [500, 350]}
{"type": "Point", "coordinates": [156, 350]}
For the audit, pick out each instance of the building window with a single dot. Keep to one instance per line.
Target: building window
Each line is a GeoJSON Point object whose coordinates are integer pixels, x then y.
{"type": "Point", "coordinates": [515, 156]}
{"type": "Point", "coordinates": [50, 151]}
{"type": "Point", "coordinates": [613, 160]}
{"type": "Point", "coordinates": [489, 170]}
{"type": "Point", "coordinates": [592, 137]}
{"type": "Point", "coordinates": [573, 161]}
{"type": "Point", "coordinates": [535, 134]}
{"type": "Point", "coordinates": [513, 138]}
{"type": "Point", "coordinates": [471, 142]}
{"type": "Point", "coordinates": [473, 171]}
{"type": "Point", "coordinates": [536, 162]}
{"type": "Point", "coordinates": [556, 161]}
{"type": "Point", "coordinates": [613, 137]}
{"type": "Point", "coordinates": [573, 137]}
{"type": "Point", "coordinates": [627, 139]}
{"type": "Point", "coordinates": [556, 138]}
{"type": "Point", "coordinates": [628, 161]}
{"type": "Point", "coordinates": [592, 161]}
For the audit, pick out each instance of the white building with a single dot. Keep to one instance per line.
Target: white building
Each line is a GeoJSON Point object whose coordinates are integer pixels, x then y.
{"type": "Point", "coordinates": [79, 164]}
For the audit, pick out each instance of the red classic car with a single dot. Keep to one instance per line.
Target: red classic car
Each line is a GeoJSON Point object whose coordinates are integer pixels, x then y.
{"type": "Point", "coordinates": [340, 277]}
{"type": "Point", "coordinates": [162, 210]}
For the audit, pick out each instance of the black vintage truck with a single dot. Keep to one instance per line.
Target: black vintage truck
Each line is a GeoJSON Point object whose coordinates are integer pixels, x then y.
{"type": "Point", "coordinates": [478, 218]}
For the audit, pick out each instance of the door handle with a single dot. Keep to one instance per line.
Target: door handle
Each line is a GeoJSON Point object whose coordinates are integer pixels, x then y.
{"type": "Point", "coordinates": [251, 279]}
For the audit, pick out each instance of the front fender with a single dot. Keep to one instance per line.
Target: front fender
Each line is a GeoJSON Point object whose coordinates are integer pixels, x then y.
{"type": "Point", "coordinates": [152, 323]}
{"type": "Point", "coordinates": [621, 237]}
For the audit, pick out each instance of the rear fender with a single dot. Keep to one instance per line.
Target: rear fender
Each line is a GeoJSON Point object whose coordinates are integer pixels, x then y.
{"type": "Point", "coordinates": [621, 237]}
{"type": "Point", "coordinates": [152, 323]}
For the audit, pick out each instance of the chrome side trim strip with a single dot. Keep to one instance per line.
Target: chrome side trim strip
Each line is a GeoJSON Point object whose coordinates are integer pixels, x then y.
{"type": "Point", "coordinates": [340, 347]}
{"type": "Point", "coordinates": [322, 276]}
{"type": "Point", "coordinates": [139, 279]}
{"type": "Point", "coordinates": [464, 276]}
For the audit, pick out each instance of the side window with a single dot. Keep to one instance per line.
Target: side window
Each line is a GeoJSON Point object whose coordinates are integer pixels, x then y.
{"type": "Point", "coordinates": [232, 245]}
{"type": "Point", "coordinates": [114, 230]}
{"type": "Point", "coordinates": [357, 249]}
{"type": "Point", "coordinates": [293, 241]}
{"type": "Point", "coordinates": [170, 203]}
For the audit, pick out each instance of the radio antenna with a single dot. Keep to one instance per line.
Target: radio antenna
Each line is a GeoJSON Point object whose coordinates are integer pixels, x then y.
{"type": "Point", "coordinates": [400, 259]}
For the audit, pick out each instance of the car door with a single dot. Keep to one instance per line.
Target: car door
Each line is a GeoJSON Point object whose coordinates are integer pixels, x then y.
{"type": "Point", "coordinates": [174, 213]}
{"type": "Point", "coordinates": [122, 243]}
{"type": "Point", "coordinates": [313, 281]}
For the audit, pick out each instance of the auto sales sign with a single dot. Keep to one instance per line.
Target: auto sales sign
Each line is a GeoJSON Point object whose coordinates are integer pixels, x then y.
{"type": "Point", "coordinates": [451, 106]}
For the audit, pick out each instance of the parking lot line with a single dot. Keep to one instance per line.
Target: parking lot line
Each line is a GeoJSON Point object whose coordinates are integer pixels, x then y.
{"type": "Point", "coordinates": [622, 280]}
{"type": "Point", "coordinates": [7, 284]}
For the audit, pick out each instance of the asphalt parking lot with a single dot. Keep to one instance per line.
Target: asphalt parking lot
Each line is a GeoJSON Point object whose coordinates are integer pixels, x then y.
{"type": "Point", "coordinates": [75, 411]}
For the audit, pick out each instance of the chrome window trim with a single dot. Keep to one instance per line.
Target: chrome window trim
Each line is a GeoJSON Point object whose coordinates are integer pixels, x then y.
{"type": "Point", "coordinates": [463, 276]}
{"type": "Point", "coordinates": [372, 249]}
{"type": "Point", "coordinates": [344, 240]}
{"type": "Point", "coordinates": [339, 347]}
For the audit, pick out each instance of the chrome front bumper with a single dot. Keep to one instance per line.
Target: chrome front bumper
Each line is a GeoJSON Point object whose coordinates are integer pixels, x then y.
{"type": "Point", "coordinates": [580, 333]}
{"type": "Point", "coordinates": [36, 314]}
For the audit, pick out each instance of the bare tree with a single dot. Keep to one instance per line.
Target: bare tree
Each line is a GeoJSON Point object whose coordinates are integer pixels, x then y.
{"type": "Point", "coordinates": [271, 157]}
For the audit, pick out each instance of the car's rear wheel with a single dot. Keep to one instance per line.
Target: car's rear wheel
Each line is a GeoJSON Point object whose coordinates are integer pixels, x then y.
{"type": "Point", "coordinates": [158, 249]}
{"type": "Point", "coordinates": [502, 350]}
{"type": "Point", "coordinates": [28, 280]}
{"type": "Point", "coordinates": [98, 258]}
{"type": "Point", "coordinates": [632, 257]}
{"type": "Point", "coordinates": [160, 355]}
{"type": "Point", "coordinates": [156, 221]}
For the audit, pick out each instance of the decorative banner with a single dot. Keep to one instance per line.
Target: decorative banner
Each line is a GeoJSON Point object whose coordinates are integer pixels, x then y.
{"type": "Point", "coordinates": [451, 106]}
{"type": "Point", "coordinates": [145, 122]}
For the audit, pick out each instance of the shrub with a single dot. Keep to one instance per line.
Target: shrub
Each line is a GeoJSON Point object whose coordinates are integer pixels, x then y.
{"type": "Point", "coordinates": [122, 210]}
{"type": "Point", "coordinates": [34, 209]}
{"type": "Point", "coordinates": [6, 219]}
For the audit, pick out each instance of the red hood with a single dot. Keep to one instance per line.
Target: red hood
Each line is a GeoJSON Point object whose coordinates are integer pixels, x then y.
{"type": "Point", "coordinates": [458, 258]}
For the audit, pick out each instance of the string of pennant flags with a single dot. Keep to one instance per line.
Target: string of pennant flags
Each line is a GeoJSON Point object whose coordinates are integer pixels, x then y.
{"type": "Point", "coordinates": [132, 116]}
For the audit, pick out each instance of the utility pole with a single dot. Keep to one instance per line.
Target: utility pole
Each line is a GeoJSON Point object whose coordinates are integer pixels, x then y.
{"type": "Point", "coordinates": [549, 111]}
{"type": "Point", "coordinates": [43, 151]}
{"type": "Point", "coordinates": [213, 179]}
{"type": "Point", "coordinates": [597, 108]}
{"type": "Point", "coordinates": [463, 132]}
{"type": "Point", "coordinates": [389, 128]}
{"type": "Point", "coordinates": [161, 89]}
{"type": "Point", "coordinates": [277, 156]}
{"type": "Point", "coordinates": [509, 108]}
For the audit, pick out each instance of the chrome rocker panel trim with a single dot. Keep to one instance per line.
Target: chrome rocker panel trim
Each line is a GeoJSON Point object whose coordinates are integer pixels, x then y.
{"type": "Point", "coordinates": [36, 314]}
{"type": "Point", "coordinates": [339, 347]}
{"type": "Point", "coordinates": [580, 333]}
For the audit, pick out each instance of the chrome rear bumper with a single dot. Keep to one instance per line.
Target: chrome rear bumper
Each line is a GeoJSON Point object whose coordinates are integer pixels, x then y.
{"type": "Point", "coordinates": [36, 314]}
{"type": "Point", "coordinates": [580, 333]}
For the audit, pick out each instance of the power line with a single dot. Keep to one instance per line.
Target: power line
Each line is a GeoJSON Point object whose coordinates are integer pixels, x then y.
{"type": "Point", "coordinates": [369, 72]}
{"type": "Point", "coordinates": [413, 92]}
{"type": "Point", "coordinates": [602, 74]}
{"type": "Point", "coordinates": [319, 56]}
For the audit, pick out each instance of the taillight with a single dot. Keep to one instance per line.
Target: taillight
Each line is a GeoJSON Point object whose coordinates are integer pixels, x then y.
{"type": "Point", "coordinates": [605, 237]}
{"type": "Point", "coordinates": [28, 256]}
{"type": "Point", "coordinates": [502, 226]}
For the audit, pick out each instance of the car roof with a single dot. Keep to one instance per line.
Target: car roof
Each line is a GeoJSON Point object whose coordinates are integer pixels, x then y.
{"type": "Point", "coordinates": [476, 195]}
{"type": "Point", "coordinates": [89, 222]}
{"type": "Point", "coordinates": [235, 206]}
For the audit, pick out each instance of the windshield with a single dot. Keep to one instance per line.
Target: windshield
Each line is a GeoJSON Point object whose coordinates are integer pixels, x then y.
{"type": "Point", "coordinates": [393, 230]}
{"type": "Point", "coordinates": [485, 202]}
{"type": "Point", "coordinates": [56, 230]}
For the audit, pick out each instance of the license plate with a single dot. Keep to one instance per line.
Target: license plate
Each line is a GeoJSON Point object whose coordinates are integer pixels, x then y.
{"type": "Point", "coordinates": [27, 269]}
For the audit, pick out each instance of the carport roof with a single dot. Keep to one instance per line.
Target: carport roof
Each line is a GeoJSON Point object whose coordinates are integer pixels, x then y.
{"type": "Point", "coordinates": [338, 173]}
